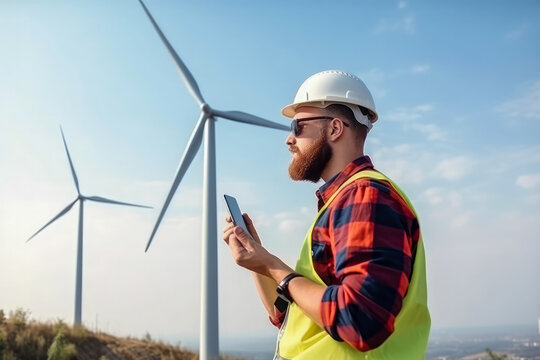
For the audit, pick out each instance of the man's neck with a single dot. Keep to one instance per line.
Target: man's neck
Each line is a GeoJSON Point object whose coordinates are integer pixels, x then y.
{"type": "Point", "coordinates": [338, 163]}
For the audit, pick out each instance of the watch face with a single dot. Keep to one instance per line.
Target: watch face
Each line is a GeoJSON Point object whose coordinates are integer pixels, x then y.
{"type": "Point", "coordinates": [284, 298]}
{"type": "Point", "coordinates": [282, 293]}
{"type": "Point", "coordinates": [281, 304]}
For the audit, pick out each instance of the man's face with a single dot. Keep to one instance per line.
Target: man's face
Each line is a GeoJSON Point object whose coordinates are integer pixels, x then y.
{"type": "Point", "coordinates": [311, 151]}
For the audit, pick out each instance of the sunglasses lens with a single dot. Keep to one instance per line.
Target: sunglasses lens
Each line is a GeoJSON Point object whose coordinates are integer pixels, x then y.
{"type": "Point", "coordinates": [294, 127]}
{"type": "Point", "coordinates": [296, 130]}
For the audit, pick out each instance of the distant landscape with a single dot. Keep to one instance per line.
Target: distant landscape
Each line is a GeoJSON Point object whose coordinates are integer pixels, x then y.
{"type": "Point", "coordinates": [520, 342]}
{"type": "Point", "coordinates": [517, 342]}
{"type": "Point", "coordinates": [24, 338]}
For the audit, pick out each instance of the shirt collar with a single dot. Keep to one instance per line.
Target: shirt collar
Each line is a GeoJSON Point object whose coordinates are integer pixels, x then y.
{"type": "Point", "coordinates": [329, 188]}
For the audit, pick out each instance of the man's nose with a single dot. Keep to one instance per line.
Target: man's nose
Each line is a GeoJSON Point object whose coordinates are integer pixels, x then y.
{"type": "Point", "coordinates": [290, 139]}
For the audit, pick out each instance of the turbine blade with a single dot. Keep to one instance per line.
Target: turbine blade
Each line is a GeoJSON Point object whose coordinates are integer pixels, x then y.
{"type": "Point", "coordinates": [243, 117]}
{"type": "Point", "coordinates": [60, 214]}
{"type": "Point", "coordinates": [109, 201]}
{"type": "Point", "coordinates": [70, 163]}
{"type": "Point", "coordinates": [189, 153]}
{"type": "Point", "coordinates": [184, 72]}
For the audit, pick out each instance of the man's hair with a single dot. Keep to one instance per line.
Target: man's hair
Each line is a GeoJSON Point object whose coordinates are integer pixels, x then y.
{"type": "Point", "coordinates": [345, 113]}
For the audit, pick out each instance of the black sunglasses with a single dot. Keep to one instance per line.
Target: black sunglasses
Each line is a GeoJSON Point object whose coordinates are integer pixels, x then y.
{"type": "Point", "coordinates": [296, 129]}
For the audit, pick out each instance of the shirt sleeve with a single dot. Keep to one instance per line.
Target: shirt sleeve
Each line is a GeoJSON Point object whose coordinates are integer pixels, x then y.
{"type": "Point", "coordinates": [371, 235]}
{"type": "Point", "coordinates": [277, 321]}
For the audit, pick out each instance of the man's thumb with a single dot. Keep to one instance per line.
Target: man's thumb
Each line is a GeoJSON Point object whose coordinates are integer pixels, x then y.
{"type": "Point", "coordinates": [238, 231]}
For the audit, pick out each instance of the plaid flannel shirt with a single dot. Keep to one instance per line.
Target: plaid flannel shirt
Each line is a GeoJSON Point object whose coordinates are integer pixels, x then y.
{"type": "Point", "coordinates": [363, 248]}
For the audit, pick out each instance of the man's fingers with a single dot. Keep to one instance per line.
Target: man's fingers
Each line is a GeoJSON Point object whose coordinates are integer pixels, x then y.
{"type": "Point", "coordinates": [228, 227]}
{"type": "Point", "coordinates": [251, 227]}
{"type": "Point", "coordinates": [237, 233]}
{"type": "Point", "coordinates": [227, 234]}
{"type": "Point", "coordinates": [242, 236]}
{"type": "Point", "coordinates": [236, 246]}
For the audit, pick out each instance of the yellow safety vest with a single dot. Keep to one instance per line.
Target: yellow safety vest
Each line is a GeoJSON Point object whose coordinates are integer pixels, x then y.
{"type": "Point", "coordinates": [300, 338]}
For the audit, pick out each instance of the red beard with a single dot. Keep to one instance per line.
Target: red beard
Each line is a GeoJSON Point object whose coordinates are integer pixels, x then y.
{"type": "Point", "coordinates": [309, 165]}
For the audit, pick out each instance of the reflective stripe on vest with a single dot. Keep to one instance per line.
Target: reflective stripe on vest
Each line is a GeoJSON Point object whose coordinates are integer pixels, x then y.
{"type": "Point", "coordinates": [300, 338]}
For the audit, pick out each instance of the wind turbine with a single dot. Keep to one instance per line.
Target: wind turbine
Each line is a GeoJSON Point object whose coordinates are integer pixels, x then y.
{"type": "Point", "coordinates": [80, 198]}
{"type": "Point", "coordinates": [209, 335]}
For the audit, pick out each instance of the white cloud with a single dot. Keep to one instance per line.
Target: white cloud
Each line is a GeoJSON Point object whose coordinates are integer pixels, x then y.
{"type": "Point", "coordinates": [454, 168]}
{"type": "Point", "coordinates": [374, 79]}
{"type": "Point", "coordinates": [516, 32]}
{"type": "Point", "coordinates": [517, 157]}
{"type": "Point", "coordinates": [374, 140]}
{"type": "Point", "coordinates": [526, 106]}
{"type": "Point", "coordinates": [480, 244]}
{"type": "Point", "coordinates": [451, 198]}
{"type": "Point", "coordinates": [287, 225]}
{"type": "Point", "coordinates": [462, 219]}
{"type": "Point", "coordinates": [292, 220]}
{"type": "Point", "coordinates": [373, 75]}
{"type": "Point", "coordinates": [424, 108]}
{"type": "Point", "coordinates": [410, 113]}
{"type": "Point", "coordinates": [403, 25]}
{"type": "Point", "coordinates": [432, 131]}
{"type": "Point", "coordinates": [402, 4]}
{"type": "Point", "coordinates": [418, 69]}
{"type": "Point", "coordinates": [398, 163]}
{"type": "Point", "coordinates": [434, 195]}
{"type": "Point", "coordinates": [460, 119]}
{"type": "Point", "coordinates": [530, 181]}
{"type": "Point", "coordinates": [402, 149]}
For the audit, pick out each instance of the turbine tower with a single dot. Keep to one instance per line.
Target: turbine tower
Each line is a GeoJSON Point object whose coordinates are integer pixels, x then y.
{"type": "Point", "coordinates": [80, 198]}
{"type": "Point", "coordinates": [209, 334]}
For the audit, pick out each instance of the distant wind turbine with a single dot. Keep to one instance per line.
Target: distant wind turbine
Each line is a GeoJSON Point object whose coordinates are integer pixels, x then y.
{"type": "Point", "coordinates": [209, 336]}
{"type": "Point", "coordinates": [80, 198]}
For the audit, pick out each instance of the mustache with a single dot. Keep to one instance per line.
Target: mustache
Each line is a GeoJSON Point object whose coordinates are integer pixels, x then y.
{"type": "Point", "coordinates": [293, 149]}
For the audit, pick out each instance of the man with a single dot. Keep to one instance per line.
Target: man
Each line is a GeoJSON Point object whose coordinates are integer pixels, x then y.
{"type": "Point", "coordinates": [358, 290]}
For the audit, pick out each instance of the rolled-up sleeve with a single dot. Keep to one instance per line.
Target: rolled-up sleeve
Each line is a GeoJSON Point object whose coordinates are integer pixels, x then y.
{"type": "Point", "coordinates": [278, 319]}
{"type": "Point", "coordinates": [373, 238]}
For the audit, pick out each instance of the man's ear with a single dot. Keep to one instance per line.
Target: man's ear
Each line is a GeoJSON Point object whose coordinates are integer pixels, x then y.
{"type": "Point", "coordinates": [336, 128]}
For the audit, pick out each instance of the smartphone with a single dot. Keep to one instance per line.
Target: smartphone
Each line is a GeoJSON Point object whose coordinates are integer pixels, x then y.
{"type": "Point", "coordinates": [235, 212]}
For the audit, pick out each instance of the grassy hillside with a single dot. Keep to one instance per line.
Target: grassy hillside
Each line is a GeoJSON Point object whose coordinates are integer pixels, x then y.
{"type": "Point", "coordinates": [22, 338]}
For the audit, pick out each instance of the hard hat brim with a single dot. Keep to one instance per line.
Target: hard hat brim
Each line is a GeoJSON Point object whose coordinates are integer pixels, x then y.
{"type": "Point", "coordinates": [290, 110]}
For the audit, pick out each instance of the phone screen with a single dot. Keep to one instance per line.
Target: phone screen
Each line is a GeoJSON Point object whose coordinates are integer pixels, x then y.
{"type": "Point", "coordinates": [235, 212]}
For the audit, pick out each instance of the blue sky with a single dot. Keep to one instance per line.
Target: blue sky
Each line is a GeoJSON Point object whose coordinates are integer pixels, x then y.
{"type": "Point", "coordinates": [457, 88]}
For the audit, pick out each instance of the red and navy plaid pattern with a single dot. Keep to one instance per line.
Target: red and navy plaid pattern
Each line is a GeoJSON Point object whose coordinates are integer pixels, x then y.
{"type": "Point", "coordinates": [363, 246]}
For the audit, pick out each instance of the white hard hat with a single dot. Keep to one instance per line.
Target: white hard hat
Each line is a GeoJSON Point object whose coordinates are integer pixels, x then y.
{"type": "Point", "coordinates": [335, 87]}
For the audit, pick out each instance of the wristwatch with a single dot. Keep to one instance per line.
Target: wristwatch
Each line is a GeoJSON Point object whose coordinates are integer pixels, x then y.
{"type": "Point", "coordinates": [284, 297]}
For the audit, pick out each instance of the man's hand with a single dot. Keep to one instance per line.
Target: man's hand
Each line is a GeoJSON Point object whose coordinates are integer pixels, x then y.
{"type": "Point", "coordinates": [249, 253]}
{"type": "Point", "coordinates": [246, 249]}
{"type": "Point", "coordinates": [265, 284]}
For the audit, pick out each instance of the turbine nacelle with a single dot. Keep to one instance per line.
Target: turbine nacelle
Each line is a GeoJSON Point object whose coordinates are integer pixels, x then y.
{"type": "Point", "coordinates": [206, 109]}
